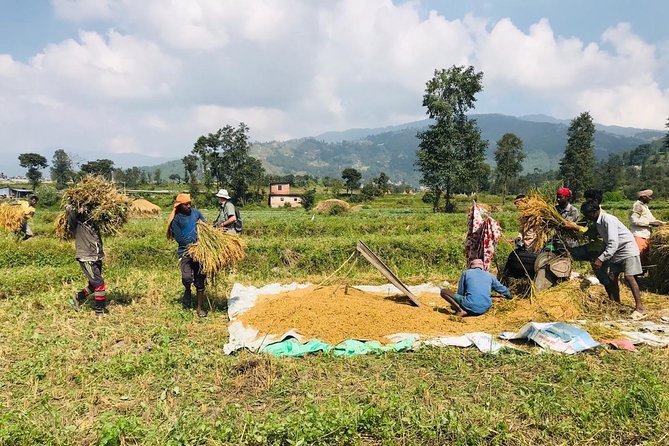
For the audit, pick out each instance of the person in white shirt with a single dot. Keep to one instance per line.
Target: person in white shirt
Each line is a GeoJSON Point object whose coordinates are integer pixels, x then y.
{"type": "Point", "coordinates": [641, 220]}
{"type": "Point", "coordinates": [620, 254]}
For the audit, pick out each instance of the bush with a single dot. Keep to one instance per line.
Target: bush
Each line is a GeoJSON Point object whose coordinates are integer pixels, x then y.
{"type": "Point", "coordinates": [48, 196]}
{"type": "Point", "coordinates": [616, 195]}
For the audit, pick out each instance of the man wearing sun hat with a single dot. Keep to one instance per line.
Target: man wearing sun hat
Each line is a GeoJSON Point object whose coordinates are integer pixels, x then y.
{"type": "Point", "coordinates": [641, 220]}
{"type": "Point", "coordinates": [473, 295]}
{"type": "Point", "coordinates": [182, 227]}
{"type": "Point", "coordinates": [227, 216]}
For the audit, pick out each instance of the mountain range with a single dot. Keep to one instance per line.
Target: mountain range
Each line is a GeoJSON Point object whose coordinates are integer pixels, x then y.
{"type": "Point", "coordinates": [393, 149]}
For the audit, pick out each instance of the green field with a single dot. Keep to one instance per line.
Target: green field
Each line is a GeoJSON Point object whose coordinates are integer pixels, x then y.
{"type": "Point", "coordinates": [152, 373]}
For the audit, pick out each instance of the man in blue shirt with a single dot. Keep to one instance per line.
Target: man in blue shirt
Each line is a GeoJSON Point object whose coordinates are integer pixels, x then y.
{"type": "Point", "coordinates": [182, 227]}
{"type": "Point", "coordinates": [473, 296]}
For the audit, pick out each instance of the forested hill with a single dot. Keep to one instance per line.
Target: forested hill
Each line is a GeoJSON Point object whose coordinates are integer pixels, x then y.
{"type": "Point", "coordinates": [393, 149]}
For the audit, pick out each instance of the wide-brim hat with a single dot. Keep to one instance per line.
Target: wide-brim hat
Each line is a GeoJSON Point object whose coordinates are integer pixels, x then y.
{"type": "Point", "coordinates": [223, 193]}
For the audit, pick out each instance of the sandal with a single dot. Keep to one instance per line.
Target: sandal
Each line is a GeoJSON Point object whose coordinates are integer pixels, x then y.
{"type": "Point", "coordinates": [637, 316]}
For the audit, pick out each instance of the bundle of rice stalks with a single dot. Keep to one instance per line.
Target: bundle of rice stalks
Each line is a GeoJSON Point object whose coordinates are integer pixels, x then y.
{"type": "Point", "coordinates": [541, 218]}
{"type": "Point", "coordinates": [215, 249]}
{"type": "Point", "coordinates": [12, 216]}
{"type": "Point", "coordinates": [658, 253]}
{"type": "Point", "coordinates": [60, 227]}
{"type": "Point", "coordinates": [142, 208]}
{"type": "Point", "coordinates": [332, 207]}
{"type": "Point", "coordinates": [99, 200]}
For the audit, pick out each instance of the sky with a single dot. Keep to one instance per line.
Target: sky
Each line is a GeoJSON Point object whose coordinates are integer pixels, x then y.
{"type": "Point", "coordinates": [140, 81]}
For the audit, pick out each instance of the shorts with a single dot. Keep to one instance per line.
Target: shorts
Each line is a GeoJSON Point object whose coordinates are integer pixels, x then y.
{"type": "Point", "coordinates": [459, 298]}
{"type": "Point", "coordinates": [631, 266]}
{"type": "Point", "coordinates": [190, 272]}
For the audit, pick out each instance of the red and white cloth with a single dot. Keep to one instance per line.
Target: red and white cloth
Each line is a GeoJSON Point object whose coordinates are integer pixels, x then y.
{"type": "Point", "coordinates": [483, 234]}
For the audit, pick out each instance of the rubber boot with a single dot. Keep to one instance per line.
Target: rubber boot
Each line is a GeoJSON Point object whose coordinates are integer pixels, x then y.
{"type": "Point", "coordinates": [200, 303]}
{"type": "Point", "coordinates": [187, 299]}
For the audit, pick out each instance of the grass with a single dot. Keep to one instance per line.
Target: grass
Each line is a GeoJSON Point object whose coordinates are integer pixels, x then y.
{"type": "Point", "coordinates": [151, 373]}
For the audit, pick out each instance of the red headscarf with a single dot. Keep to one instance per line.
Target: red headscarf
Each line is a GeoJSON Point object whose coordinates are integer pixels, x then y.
{"type": "Point", "coordinates": [181, 199]}
{"type": "Point", "coordinates": [564, 191]}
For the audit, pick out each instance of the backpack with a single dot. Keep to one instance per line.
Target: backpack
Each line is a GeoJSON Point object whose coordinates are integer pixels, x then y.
{"type": "Point", "coordinates": [238, 224]}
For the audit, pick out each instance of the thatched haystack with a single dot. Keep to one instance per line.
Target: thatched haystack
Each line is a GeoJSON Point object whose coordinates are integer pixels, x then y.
{"type": "Point", "coordinates": [12, 216]}
{"type": "Point", "coordinates": [142, 208]}
{"type": "Point", "coordinates": [99, 201]}
{"type": "Point", "coordinates": [332, 207]}
{"type": "Point", "coordinates": [658, 253]}
{"type": "Point", "coordinates": [215, 250]}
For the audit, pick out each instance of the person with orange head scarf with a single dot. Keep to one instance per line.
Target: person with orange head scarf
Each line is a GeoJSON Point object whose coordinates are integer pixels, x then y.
{"type": "Point", "coordinates": [182, 227]}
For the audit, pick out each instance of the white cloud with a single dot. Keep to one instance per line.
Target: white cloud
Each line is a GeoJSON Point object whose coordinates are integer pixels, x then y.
{"type": "Point", "coordinates": [163, 73]}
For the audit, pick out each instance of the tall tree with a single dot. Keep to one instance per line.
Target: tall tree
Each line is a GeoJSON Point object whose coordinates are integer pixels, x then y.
{"type": "Point", "coordinates": [34, 162]}
{"type": "Point", "coordinates": [226, 159]}
{"type": "Point", "coordinates": [351, 179]}
{"type": "Point", "coordinates": [103, 167]}
{"type": "Point", "coordinates": [157, 175]}
{"type": "Point", "coordinates": [509, 157]}
{"type": "Point", "coordinates": [665, 145]}
{"type": "Point", "coordinates": [61, 168]}
{"type": "Point", "coordinates": [451, 153]}
{"type": "Point", "coordinates": [190, 168]}
{"type": "Point", "coordinates": [382, 182]}
{"type": "Point", "coordinates": [578, 163]}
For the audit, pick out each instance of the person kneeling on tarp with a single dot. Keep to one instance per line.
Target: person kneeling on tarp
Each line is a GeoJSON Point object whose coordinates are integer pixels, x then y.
{"type": "Point", "coordinates": [473, 296]}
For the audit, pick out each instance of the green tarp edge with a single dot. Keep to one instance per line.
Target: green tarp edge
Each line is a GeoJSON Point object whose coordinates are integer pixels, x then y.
{"type": "Point", "coordinates": [351, 347]}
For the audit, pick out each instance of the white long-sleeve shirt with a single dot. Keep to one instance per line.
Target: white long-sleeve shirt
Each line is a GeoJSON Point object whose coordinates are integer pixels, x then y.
{"type": "Point", "coordinates": [640, 220]}
{"type": "Point", "coordinates": [618, 239]}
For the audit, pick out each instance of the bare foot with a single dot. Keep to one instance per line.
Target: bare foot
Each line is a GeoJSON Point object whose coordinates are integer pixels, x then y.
{"type": "Point", "coordinates": [461, 313]}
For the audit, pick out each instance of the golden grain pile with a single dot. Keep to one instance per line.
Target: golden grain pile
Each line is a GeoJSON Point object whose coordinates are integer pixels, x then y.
{"type": "Point", "coordinates": [99, 201]}
{"type": "Point", "coordinates": [538, 216]}
{"type": "Point", "coordinates": [215, 250]}
{"type": "Point", "coordinates": [658, 253]}
{"type": "Point", "coordinates": [142, 208]}
{"type": "Point", "coordinates": [332, 206]}
{"type": "Point", "coordinates": [12, 216]}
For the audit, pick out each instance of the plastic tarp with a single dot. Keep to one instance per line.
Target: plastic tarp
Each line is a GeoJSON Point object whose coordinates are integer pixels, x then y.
{"type": "Point", "coordinates": [555, 336]}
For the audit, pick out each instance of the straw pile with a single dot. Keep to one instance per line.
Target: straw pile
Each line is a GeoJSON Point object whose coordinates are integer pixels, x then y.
{"type": "Point", "coordinates": [332, 207]}
{"type": "Point", "coordinates": [538, 216]}
{"type": "Point", "coordinates": [99, 200]}
{"type": "Point", "coordinates": [142, 208]}
{"type": "Point", "coordinates": [12, 216]}
{"type": "Point", "coordinates": [215, 249]}
{"type": "Point", "coordinates": [658, 253]}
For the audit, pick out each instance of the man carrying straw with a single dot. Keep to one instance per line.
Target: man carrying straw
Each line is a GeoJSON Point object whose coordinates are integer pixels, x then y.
{"type": "Point", "coordinates": [620, 254]}
{"type": "Point", "coordinates": [89, 254]}
{"type": "Point", "coordinates": [28, 208]}
{"type": "Point", "coordinates": [182, 227]}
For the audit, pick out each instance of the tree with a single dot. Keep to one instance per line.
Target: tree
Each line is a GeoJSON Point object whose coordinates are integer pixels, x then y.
{"type": "Point", "coordinates": [190, 168]}
{"type": "Point", "coordinates": [451, 153]}
{"type": "Point", "coordinates": [665, 145]}
{"type": "Point", "coordinates": [175, 177]}
{"type": "Point", "coordinates": [578, 163]}
{"type": "Point", "coordinates": [61, 168]}
{"type": "Point", "coordinates": [382, 183]}
{"type": "Point", "coordinates": [102, 167]}
{"type": "Point", "coordinates": [225, 158]}
{"type": "Point", "coordinates": [509, 157]}
{"type": "Point", "coordinates": [34, 162]}
{"type": "Point", "coordinates": [309, 199]}
{"type": "Point", "coordinates": [157, 175]}
{"type": "Point", "coordinates": [351, 179]}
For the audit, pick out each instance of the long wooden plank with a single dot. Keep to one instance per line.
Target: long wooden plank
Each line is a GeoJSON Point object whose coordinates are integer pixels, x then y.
{"type": "Point", "coordinates": [383, 269]}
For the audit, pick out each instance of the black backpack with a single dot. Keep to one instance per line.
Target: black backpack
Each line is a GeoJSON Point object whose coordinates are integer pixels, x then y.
{"type": "Point", "coordinates": [238, 224]}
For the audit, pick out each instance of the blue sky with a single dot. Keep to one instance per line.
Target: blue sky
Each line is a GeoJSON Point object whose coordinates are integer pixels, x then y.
{"type": "Point", "coordinates": [134, 80]}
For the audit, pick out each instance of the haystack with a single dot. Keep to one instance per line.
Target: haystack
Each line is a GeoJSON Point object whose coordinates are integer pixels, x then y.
{"type": "Point", "coordinates": [332, 206]}
{"type": "Point", "coordinates": [658, 253]}
{"type": "Point", "coordinates": [540, 217]}
{"type": "Point", "coordinates": [12, 216]}
{"type": "Point", "coordinates": [99, 201]}
{"type": "Point", "coordinates": [215, 250]}
{"type": "Point", "coordinates": [142, 208]}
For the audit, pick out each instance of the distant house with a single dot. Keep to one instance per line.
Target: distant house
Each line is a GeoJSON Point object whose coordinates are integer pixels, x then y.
{"type": "Point", "coordinates": [12, 192]}
{"type": "Point", "coordinates": [280, 196]}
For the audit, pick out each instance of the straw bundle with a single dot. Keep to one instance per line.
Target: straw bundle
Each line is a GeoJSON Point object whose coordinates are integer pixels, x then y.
{"type": "Point", "coordinates": [99, 200]}
{"type": "Point", "coordinates": [538, 216]}
{"type": "Point", "coordinates": [12, 216]}
{"type": "Point", "coordinates": [60, 227]}
{"type": "Point", "coordinates": [142, 208]}
{"type": "Point", "coordinates": [332, 206]}
{"type": "Point", "coordinates": [658, 253]}
{"type": "Point", "coordinates": [215, 249]}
